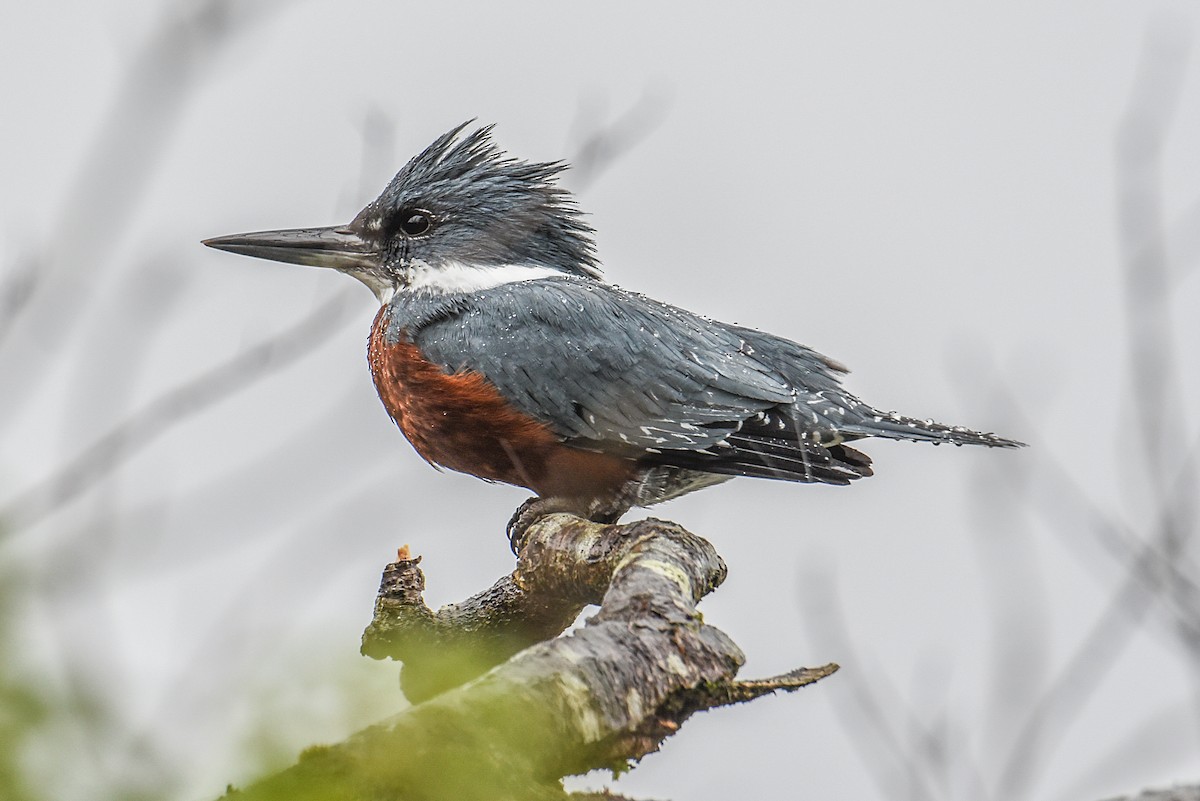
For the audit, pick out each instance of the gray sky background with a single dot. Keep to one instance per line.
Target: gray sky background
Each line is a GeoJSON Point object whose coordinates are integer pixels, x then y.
{"type": "Point", "coordinates": [928, 192]}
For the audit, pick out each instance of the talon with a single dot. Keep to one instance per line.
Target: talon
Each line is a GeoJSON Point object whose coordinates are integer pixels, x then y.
{"type": "Point", "coordinates": [524, 517]}
{"type": "Point", "coordinates": [534, 510]}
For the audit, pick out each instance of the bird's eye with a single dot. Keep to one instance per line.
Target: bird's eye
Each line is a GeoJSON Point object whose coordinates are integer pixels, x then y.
{"type": "Point", "coordinates": [415, 222]}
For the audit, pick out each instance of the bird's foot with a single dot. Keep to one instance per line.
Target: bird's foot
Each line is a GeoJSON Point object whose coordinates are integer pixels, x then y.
{"type": "Point", "coordinates": [535, 509]}
{"type": "Point", "coordinates": [532, 511]}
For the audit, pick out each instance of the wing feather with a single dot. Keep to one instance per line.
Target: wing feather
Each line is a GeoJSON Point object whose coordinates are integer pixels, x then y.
{"type": "Point", "coordinates": [607, 369]}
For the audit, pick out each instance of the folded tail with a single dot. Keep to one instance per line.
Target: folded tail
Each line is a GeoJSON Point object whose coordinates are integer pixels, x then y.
{"type": "Point", "coordinates": [895, 426]}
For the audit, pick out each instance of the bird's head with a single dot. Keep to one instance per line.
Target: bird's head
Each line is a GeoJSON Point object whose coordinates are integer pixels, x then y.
{"type": "Point", "coordinates": [460, 215]}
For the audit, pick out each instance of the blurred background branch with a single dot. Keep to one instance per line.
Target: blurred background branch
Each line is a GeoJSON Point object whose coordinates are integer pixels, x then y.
{"type": "Point", "coordinates": [1154, 549]}
{"type": "Point", "coordinates": [174, 407]}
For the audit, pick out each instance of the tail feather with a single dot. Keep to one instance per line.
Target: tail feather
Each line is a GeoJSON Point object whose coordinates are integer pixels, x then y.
{"type": "Point", "coordinates": [784, 460]}
{"type": "Point", "coordinates": [895, 426]}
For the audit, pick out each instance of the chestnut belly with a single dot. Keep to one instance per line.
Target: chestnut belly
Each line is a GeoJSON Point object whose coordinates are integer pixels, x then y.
{"type": "Point", "coordinates": [461, 422]}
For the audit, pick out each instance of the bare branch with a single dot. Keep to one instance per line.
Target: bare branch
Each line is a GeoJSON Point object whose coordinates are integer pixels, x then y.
{"type": "Point", "coordinates": [597, 698]}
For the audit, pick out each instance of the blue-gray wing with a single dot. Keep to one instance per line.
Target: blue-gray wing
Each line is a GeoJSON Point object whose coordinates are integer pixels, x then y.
{"type": "Point", "coordinates": [611, 370]}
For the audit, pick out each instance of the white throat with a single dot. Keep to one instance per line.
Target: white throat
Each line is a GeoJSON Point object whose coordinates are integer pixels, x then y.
{"type": "Point", "coordinates": [459, 277]}
{"type": "Point", "coordinates": [455, 277]}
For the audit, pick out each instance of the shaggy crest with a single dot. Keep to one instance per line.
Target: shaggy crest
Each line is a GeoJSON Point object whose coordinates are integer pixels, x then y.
{"type": "Point", "coordinates": [468, 180]}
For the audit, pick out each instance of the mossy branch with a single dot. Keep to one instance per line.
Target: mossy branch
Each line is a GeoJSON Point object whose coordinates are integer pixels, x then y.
{"type": "Point", "coordinates": [504, 707]}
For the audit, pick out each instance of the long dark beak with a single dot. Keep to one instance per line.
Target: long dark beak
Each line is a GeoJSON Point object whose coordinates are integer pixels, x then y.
{"type": "Point", "coordinates": [336, 247]}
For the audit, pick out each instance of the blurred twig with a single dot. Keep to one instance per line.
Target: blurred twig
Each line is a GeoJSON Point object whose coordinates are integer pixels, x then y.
{"type": "Point", "coordinates": [1153, 549]}
{"type": "Point", "coordinates": [897, 747]}
{"type": "Point", "coordinates": [1068, 510]}
{"type": "Point", "coordinates": [1153, 365]}
{"type": "Point", "coordinates": [16, 290]}
{"type": "Point", "coordinates": [169, 409]}
{"type": "Point", "coordinates": [603, 144]}
{"type": "Point", "coordinates": [1065, 694]}
{"type": "Point", "coordinates": [161, 79]}
{"type": "Point", "coordinates": [1158, 567]}
{"type": "Point", "coordinates": [378, 146]}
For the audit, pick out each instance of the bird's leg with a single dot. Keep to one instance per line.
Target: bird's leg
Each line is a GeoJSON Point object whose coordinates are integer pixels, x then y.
{"type": "Point", "coordinates": [535, 509]}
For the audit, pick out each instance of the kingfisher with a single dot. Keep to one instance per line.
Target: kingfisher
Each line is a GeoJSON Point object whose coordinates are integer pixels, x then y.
{"type": "Point", "coordinates": [499, 350]}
